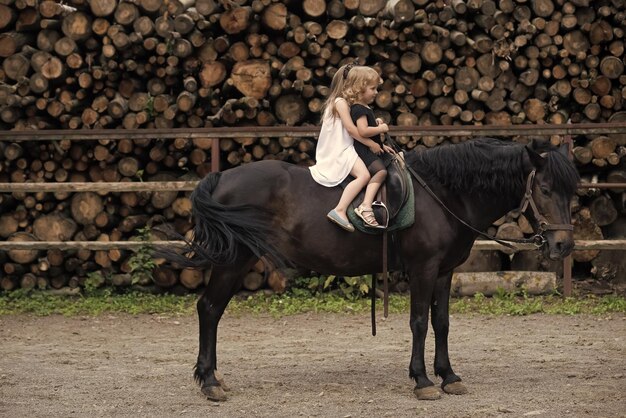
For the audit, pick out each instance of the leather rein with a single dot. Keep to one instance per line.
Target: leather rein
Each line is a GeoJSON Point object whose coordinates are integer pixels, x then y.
{"type": "Point", "coordinates": [538, 239]}
{"type": "Point", "coordinates": [527, 200]}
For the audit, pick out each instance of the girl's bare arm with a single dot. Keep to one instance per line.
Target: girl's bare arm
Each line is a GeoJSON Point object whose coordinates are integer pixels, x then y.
{"type": "Point", "coordinates": [371, 144]}
{"type": "Point", "coordinates": [368, 131]}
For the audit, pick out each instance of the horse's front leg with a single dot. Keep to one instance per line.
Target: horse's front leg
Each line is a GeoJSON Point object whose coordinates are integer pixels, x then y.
{"type": "Point", "coordinates": [224, 282]}
{"type": "Point", "coordinates": [440, 320]}
{"type": "Point", "coordinates": [421, 285]}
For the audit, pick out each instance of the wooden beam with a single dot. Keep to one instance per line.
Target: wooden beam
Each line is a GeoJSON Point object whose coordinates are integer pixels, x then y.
{"type": "Point", "coordinates": [134, 245]}
{"type": "Point", "coordinates": [618, 244]}
{"type": "Point", "coordinates": [86, 245]}
{"type": "Point", "coordinates": [310, 131]}
{"type": "Point", "coordinates": [491, 282]}
{"type": "Point", "coordinates": [602, 185]}
{"type": "Point", "coordinates": [148, 186]}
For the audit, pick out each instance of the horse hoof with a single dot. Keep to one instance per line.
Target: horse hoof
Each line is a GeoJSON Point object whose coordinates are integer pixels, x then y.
{"type": "Point", "coordinates": [455, 388]}
{"type": "Point", "coordinates": [428, 393]}
{"type": "Point", "coordinates": [220, 379]}
{"type": "Point", "coordinates": [214, 393]}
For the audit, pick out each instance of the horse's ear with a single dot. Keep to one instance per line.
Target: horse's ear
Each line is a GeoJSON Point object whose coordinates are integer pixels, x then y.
{"type": "Point", "coordinates": [535, 158]}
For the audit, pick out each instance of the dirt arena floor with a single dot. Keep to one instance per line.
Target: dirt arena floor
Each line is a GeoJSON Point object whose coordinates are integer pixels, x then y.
{"type": "Point", "coordinates": [321, 365]}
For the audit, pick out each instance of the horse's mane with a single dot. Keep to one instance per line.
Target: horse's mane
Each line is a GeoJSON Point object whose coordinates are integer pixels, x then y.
{"type": "Point", "coordinates": [488, 166]}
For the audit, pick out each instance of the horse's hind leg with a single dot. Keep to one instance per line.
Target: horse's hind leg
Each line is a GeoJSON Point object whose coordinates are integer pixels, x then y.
{"type": "Point", "coordinates": [224, 283]}
{"type": "Point", "coordinates": [441, 323]}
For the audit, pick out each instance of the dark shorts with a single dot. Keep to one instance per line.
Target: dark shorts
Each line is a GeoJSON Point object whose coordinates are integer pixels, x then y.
{"type": "Point", "coordinates": [369, 157]}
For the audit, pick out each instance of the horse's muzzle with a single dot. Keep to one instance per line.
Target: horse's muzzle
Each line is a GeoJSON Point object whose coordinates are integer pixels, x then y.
{"type": "Point", "coordinates": [559, 245]}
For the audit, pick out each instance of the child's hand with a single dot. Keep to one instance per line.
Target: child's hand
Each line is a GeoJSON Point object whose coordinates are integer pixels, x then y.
{"type": "Point", "coordinates": [375, 148]}
{"type": "Point", "coordinates": [379, 121]}
{"type": "Point", "coordinates": [384, 128]}
{"type": "Point", "coordinates": [388, 149]}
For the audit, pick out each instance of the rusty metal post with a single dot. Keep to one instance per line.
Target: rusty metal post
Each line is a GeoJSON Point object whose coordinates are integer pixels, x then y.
{"type": "Point", "coordinates": [567, 276]}
{"type": "Point", "coordinates": [567, 261]}
{"type": "Point", "coordinates": [215, 155]}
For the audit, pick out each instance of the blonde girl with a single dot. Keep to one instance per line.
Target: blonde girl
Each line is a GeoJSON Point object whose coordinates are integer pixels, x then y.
{"type": "Point", "coordinates": [335, 155]}
{"type": "Point", "coordinates": [361, 87]}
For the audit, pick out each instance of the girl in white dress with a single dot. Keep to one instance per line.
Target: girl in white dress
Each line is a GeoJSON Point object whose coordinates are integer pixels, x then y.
{"type": "Point", "coordinates": [335, 155]}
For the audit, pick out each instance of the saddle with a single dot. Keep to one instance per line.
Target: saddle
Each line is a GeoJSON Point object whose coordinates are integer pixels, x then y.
{"type": "Point", "coordinates": [391, 198]}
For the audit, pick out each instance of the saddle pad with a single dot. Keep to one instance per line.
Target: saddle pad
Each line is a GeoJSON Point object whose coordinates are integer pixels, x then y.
{"type": "Point", "coordinates": [404, 219]}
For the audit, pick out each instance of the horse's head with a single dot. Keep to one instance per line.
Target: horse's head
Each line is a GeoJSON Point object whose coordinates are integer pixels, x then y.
{"type": "Point", "coordinates": [550, 185]}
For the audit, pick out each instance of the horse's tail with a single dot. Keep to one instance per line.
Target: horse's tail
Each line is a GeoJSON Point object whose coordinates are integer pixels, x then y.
{"type": "Point", "coordinates": [220, 231]}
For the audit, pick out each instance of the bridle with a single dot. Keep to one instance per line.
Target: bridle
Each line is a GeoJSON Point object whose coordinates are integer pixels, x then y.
{"type": "Point", "coordinates": [543, 225]}
{"type": "Point", "coordinates": [539, 239]}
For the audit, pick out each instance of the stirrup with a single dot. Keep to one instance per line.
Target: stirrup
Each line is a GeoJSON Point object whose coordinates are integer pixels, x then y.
{"type": "Point", "coordinates": [385, 213]}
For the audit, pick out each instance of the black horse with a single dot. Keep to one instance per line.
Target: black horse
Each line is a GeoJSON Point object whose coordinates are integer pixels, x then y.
{"type": "Point", "coordinates": [275, 209]}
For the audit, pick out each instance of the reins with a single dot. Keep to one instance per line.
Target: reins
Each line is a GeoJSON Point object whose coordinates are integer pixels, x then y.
{"type": "Point", "coordinates": [538, 239]}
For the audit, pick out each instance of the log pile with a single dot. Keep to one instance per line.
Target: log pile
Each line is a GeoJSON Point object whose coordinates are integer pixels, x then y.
{"type": "Point", "coordinates": [200, 63]}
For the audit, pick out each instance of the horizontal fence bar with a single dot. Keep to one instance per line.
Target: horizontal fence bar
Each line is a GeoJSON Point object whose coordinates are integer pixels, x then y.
{"type": "Point", "coordinates": [617, 244]}
{"type": "Point", "coordinates": [147, 186]}
{"type": "Point", "coordinates": [163, 186]}
{"type": "Point", "coordinates": [135, 245]}
{"type": "Point", "coordinates": [310, 131]}
{"type": "Point", "coordinates": [86, 245]}
{"type": "Point", "coordinates": [602, 185]}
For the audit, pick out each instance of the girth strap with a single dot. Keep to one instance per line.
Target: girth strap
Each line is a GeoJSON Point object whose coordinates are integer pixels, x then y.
{"type": "Point", "coordinates": [385, 264]}
{"type": "Point", "coordinates": [383, 196]}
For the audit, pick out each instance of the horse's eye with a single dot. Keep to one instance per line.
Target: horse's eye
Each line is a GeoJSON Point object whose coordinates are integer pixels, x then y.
{"type": "Point", "coordinates": [544, 190]}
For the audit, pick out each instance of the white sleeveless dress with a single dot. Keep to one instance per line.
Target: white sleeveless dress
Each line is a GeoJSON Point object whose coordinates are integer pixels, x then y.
{"type": "Point", "coordinates": [335, 154]}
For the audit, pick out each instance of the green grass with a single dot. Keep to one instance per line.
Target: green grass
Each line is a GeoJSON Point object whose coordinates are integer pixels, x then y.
{"type": "Point", "coordinates": [104, 301]}
{"type": "Point", "coordinates": [42, 304]}
{"type": "Point", "coordinates": [525, 305]}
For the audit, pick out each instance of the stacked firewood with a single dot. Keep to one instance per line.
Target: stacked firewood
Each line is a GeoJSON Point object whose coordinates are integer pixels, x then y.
{"type": "Point", "coordinates": [156, 64]}
{"type": "Point", "coordinates": [196, 63]}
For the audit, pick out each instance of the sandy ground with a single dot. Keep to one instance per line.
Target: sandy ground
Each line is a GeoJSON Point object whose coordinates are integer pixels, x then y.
{"type": "Point", "coordinates": [309, 365]}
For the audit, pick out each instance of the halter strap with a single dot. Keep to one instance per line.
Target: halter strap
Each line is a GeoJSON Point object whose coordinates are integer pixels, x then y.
{"type": "Point", "coordinates": [528, 200]}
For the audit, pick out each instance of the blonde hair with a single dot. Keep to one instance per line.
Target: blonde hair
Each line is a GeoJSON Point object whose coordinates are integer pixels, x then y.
{"type": "Point", "coordinates": [358, 79]}
{"type": "Point", "coordinates": [336, 90]}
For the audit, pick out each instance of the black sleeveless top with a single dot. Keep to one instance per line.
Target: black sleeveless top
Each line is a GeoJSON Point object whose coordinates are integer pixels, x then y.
{"type": "Point", "coordinates": [358, 110]}
{"type": "Point", "coordinates": [368, 157]}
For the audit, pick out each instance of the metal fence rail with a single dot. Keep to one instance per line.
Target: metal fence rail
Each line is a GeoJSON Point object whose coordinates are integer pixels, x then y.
{"type": "Point", "coordinates": [311, 131]}
{"type": "Point", "coordinates": [164, 186]}
{"type": "Point", "coordinates": [215, 134]}
{"type": "Point", "coordinates": [480, 245]}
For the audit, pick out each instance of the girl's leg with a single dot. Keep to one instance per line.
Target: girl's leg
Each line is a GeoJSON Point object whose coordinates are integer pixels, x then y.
{"type": "Point", "coordinates": [364, 211]}
{"type": "Point", "coordinates": [361, 177]}
{"type": "Point", "coordinates": [379, 174]}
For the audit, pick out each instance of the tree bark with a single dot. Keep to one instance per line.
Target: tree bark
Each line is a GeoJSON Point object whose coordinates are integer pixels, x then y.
{"type": "Point", "coordinates": [85, 207]}
{"type": "Point", "coordinates": [22, 256]}
{"type": "Point", "coordinates": [534, 283]}
{"type": "Point", "coordinates": [253, 281]}
{"type": "Point", "coordinates": [54, 227]}
{"type": "Point", "coordinates": [191, 278]}
{"type": "Point", "coordinates": [603, 211]}
{"type": "Point", "coordinates": [585, 228]}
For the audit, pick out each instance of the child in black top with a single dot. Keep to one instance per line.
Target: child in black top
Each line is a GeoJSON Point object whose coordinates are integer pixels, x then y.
{"type": "Point", "coordinates": [361, 89]}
